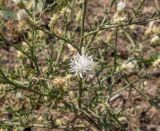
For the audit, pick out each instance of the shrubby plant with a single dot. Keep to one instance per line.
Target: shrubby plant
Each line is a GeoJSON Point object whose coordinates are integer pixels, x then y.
{"type": "Point", "coordinates": [61, 66]}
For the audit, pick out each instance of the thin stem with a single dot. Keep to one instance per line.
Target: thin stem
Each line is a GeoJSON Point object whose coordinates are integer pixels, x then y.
{"type": "Point", "coordinates": [82, 24]}
{"type": "Point", "coordinates": [127, 86]}
{"type": "Point", "coordinates": [33, 53]}
{"type": "Point", "coordinates": [34, 25]}
{"type": "Point", "coordinates": [111, 5]}
{"type": "Point", "coordinates": [115, 49]}
{"type": "Point", "coordinates": [129, 38]}
{"type": "Point", "coordinates": [6, 80]}
{"type": "Point", "coordinates": [80, 46]}
{"type": "Point", "coordinates": [12, 124]}
{"type": "Point", "coordinates": [115, 59]}
{"type": "Point", "coordinates": [103, 21]}
{"type": "Point", "coordinates": [49, 6]}
{"type": "Point", "coordinates": [66, 24]}
{"type": "Point", "coordinates": [105, 27]}
{"type": "Point", "coordinates": [91, 40]}
{"type": "Point", "coordinates": [21, 86]}
{"type": "Point", "coordinates": [80, 93]}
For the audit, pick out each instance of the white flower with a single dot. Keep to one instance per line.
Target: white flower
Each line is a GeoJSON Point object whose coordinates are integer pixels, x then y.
{"type": "Point", "coordinates": [82, 64]}
{"type": "Point", "coordinates": [22, 14]}
{"type": "Point", "coordinates": [120, 6]}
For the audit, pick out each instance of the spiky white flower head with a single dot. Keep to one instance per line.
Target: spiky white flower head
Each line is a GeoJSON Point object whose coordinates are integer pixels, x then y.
{"type": "Point", "coordinates": [22, 14]}
{"type": "Point", "coordinates": [120, 6]}
{"type": "Point", "coordinates": [82, 64]}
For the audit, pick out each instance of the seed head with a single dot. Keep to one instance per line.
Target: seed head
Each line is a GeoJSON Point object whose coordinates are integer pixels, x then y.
{"type": "Point", "coordinates": [118, 18]}
{"type": "Point", "coordinates": [128, 67]}
{"type": "Point", "coordinates": [156, 63]}
{"type": "Point", "coordinates": [61, 82]}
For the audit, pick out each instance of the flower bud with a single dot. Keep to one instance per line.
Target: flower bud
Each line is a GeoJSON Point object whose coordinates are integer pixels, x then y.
{"type": "Point", "coordinates": [155, 39]}
{"type": "Point", "coordinates": [22, 15]}
{"type": "Point", "coordinates": [20, 54]}
{"type": "Point", "coordinates": [19, 95]}
{"type": "Point", "coordinates": [120, 6]}
{"type": "Point", "coordinates": [59, 122]}
{"type": "Point", "coordinates": [156, 63]}
{"type": "Point", "coordinates": [78, 16]}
